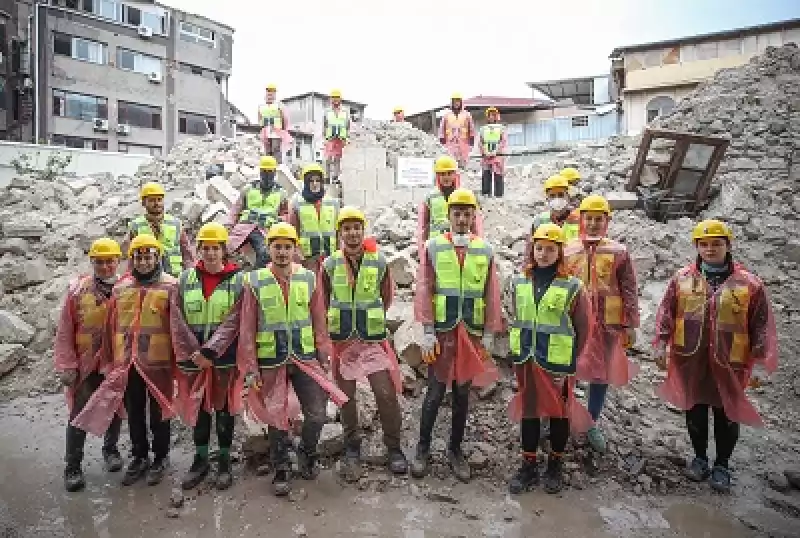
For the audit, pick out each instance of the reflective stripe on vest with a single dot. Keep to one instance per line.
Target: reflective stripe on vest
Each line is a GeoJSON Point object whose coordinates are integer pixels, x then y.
{"type": "Point", "coordinates": [90, 315]}
{"type": "Point", "coordinates": [284, 327]}
{"type": "Point", "coordinates": [356, 313]}
{"type": "Point", "coordinates": [455, 125]}
{"type": "Point", "coordinates": [317, 231]}
{"type": "Point", "coordinates": [544, 331]}
{"type": "Point", "coordinates": [262, 210]}
{"type": "Point", "coordinates": [491, 134]}
{"type": "Point", "coordinates": [438, 222]}
{"type": "Point", "coordinates": [169, 238]}
{"type": "Point", "coordinates": [337, 124]}
{"type": "Point", "coordinates": [271, 115]}
{"type": "Point", "coordinates": [459, 294]}
{"type": "Point", "coordinates": [571, 229]}
{"type": "Point", "coordinates": [142, 323]}
{"type": "Point", "coordinates": [204, 316]}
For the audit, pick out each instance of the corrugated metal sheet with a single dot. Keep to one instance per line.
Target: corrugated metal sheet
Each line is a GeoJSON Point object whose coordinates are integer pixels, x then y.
{"type": "Point", "coordinates": [553, 131]}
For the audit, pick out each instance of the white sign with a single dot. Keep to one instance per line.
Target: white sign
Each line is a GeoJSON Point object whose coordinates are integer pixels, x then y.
{"type": "Point", "coordinates": [415, 172]}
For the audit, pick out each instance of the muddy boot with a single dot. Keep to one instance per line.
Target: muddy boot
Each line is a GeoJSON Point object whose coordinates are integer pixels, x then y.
{"type": "Point", "coordinates": [422, 462]}
{"type": "Point", "coordinates": [553, 475]}
{"type": "Point", "coordinates": [282, 481]}
{"type": "Point", "coordinates": [698, 470]}
{"type": "Point", "coordinates": [596, 439]}
{"type": "Point", "coordinates": [224, 477]}
{"type": "Point", "coordinates": [398, 464]}
{"type": "Point", "coordinates": [352, 463]}
{"type": "Point", "coordinates": [720, 479]}
{"type": "Point", "coordinates": [525, 478]}
{"type": "Point", "coordinates": [307, 463]}
{"type": "Point", "coordinates": [112, 461]}
{"type": "Point", "coordinates": [73, 478]}
{"type": "Point", "coordinates": [459, 465]}
{"type": "Point", "coordinates": [137, 468]}
{"type": "Point", "coordinates": [197, 472]}
{"type": "Point", "coordinates": [155, 474]}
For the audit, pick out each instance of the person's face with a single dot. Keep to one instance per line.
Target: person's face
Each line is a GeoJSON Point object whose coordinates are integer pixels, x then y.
{"type": "Point", "coordinates": [493, 117]}
{"type": "Point", "coordinates": [545, 253]}
{"type": "Point", "coordinates": [455, 104]}
{"type": "Point", "coordinates": [154, 205]}
{"type": "Point", "coordinates": [270, 96]}
{"type": "Point", "coordinates": [595, 223]}
{"type": "Point", "coordinates": [447, 179]}
{"type": "Point", "coordinates": [281, 251]}
{"type": "Point", "coordinates": [461, 218]}
{"type": "Point", "coordinates": [558, 192]}
{"type": "Point", "coordinates": [336, 101]}
{"type": "Point", "coordinates": [145, 260]}
{"type": "Point", "coordinates": [212, 254]}
{"type": "Point", "coordinates": [352, 232]}
{"type": "Point", "coordinates": [105, 267]}
{"type": "Point", "coordinates": [712, 249]}
{"type": "Point", "coordinates": [398, 116]}
{"type": "Point", "coordinates": [315, 182]}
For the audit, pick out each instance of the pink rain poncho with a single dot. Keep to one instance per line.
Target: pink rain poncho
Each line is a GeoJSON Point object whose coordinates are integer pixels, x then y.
{"type": "Point", "coordinates": [334, 147]}
{"type": "Point", "coordinates": [496, 163]}
{"type": "Point", "coordinates": [457, 133]}
{"type": "Point", "coordinates": [714, 340]}
{"type": "Point", "coordinates": [269, 133]}
{"type": "Point", "coordinates": [240, 231]}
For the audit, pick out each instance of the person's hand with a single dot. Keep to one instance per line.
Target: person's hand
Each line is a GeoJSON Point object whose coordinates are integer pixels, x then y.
{"type": "Point", "coordinates": [758, 377]}
{"type": "Point", "coordinates": [252, 380]}
{"type": "Point", "coordinates": [628, 337]}
{"type": "Point", "coordinates": [68, 377]}
{"type": "Point", "coordinates": [660, 355]}
{"type": "Point", "coordinates": [200, 361]}
{"type": "Point", "coordinates": [487, 341]}
{"type": "Point", "coordinates": [324, 361]}
{"type": "Point", "coordinates": [429, 345]}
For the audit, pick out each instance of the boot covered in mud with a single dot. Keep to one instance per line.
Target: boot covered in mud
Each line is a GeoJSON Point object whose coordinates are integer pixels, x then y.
{"type": "Point", "coordinates": [282, 481]}
{"type": "Point", "coordinates": [197, 472]}
{"type": "Point", "coordinates": [458, 464]}
{"type": "Point", "coordinates": [224, 476]}
{"type": "Point", "coordinates": [307, 463]}
{"type": "Point", "coordinates": [351, 471]}
{"type": "Point", "coordinates": [525, 479]}
{"type": "Point", "coordinates": [137, 468]}
{"type": "Point", "coordinates": [422, 462]}
{"type": "Point", "coordinates": [73, 478]}
{"type": "Point", "coordinates": [398, 464]}
{"type": "Point", "coordinates": [156, 472]}
{"type": "Point", "coordinates": [554, 474]}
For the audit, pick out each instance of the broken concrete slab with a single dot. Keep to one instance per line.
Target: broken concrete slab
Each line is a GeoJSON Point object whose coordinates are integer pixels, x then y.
{"type": "Point", "coordinates": [10, 356]}
{"type": "Point", "coordinates": [13, 329]}
{"type": "Point", "coordinates": [622, 200]}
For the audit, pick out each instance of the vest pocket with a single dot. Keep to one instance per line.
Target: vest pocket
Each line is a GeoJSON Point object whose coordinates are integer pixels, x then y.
{"type": "Point", "coordinates": [559, 349]}
{"type": "Point", "coordinates": [266, 345]}
{"type": "Point", "coordinates": [83, 343]}
{"type": "Point", "coordinates": [740, 348]}
{"type": "Point", "coordinates": [375, 322]}
{"type": "Point", "coordinates": [613, 310]}
{"type": "Point", "coordinates": [159, 348]}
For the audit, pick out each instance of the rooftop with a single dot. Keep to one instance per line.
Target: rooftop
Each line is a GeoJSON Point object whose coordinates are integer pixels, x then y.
{"type": "Point", "coordinates": [321, 95]}
{"type": "Point", "coordinates": [508, 104]}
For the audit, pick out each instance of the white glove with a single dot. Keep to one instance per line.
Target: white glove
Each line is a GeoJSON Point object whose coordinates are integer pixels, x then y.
{"type": "Point", "coordinates": [488, 342]}
{"type": "Point", "coordinates": [252, 380]}
{"type": "Point", "coordinates": [68, 377]}
{"type": "Point", "coordinates": [758, 376]}
{"type": "Point", "coordinates": [428, 341]}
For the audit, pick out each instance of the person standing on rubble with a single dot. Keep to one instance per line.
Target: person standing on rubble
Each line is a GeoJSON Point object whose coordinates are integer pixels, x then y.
{"type": "Point", "coordinates": [457, 131]}
{"type": "Point", "coordinates": [274, 124]}
{"type": "Point", "coordinates": [77, 345]}
{"type": "Point", "coordinates": [398, 114]}
{"type": "Point", "coordinates": [336, 127]}
{"type": "Point", "coordinates": [493, 142]}
{"type": "Point", "coordinates": [606, 270]}
{"type": "Point", "coordinates": [178, 252]}
{"type": "Point", "coordinates": [551, 327]}
{"type": "Point", "coordinates": [358, 289]}
{"type": "Point", "coordinates": [457, 300]}
{"type": "Point", "coordinates": [715, 336]}
{"type": "Point", "coordinates": [138, 361]}
{"type": "Point", "coordinates": [313, 214]}
{"type": "Point", "coordinates": [260, 205]}
{"type": "Point", "coordinates": [556, 192]}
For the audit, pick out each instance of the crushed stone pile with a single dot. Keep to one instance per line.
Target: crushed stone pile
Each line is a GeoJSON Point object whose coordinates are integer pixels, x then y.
{"type": "Point", "coordinates": [399, 139]}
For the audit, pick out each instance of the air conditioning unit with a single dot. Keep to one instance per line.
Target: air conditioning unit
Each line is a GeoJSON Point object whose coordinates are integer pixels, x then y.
{"type": "Point", "coordinates": [100, 124]}
{"type": "Point", "coordinates": [123, 129]}
{"type": "Point", "coordinates": [155, 78]}
{"type": "Point", "coordinates": [145, 32]}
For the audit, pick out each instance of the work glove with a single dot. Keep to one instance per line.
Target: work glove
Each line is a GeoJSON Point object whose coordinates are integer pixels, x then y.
{"type": "Point", "coordinates": [487, 341]}
{"type": "Point", "coordinates": [252, 380]}
{"type": "Point", "coordinates": [628, 337]}
{"type": "Point", "coordinates": [758, 377]}
{"type": "Point", "coordinates": [68, 377]}
{"type": "Point", "coordinates": [660, 355]}
{"type": "Point", "coordinates": [429, 346]}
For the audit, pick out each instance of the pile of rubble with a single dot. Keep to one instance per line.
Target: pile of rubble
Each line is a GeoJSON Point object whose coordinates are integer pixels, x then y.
{"type": "Point", "coordinates": [399, 139]}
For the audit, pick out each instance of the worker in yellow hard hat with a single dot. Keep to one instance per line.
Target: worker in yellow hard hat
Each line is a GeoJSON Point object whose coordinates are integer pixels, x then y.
{"type": "Point", "coordinates": [493, 142]}
{"type": "Point", "coordinates": [208, 379]}
{"type": "Point", "coordinates": [545, 373]}
{"type": "Point", "coordinates": [178, 251]}
{"type": "Point", "coordinates": [336, 126]}
{"type": "Point", "coordinates": [715, 335]}
{"type": "Point", "coordinates": [274, 124]}
{"type": "Point", "coordinates": [573, 178]}
{"type": "Point", "coordinates": [313, 214]}
{"type": "Point", "coordinates": [606, 270]}
{"type": "Point", "coordinates": [457, 130]}
{"type": "Point", "coordinates": [457, 300]}
{"type": "Point", "coordinates": [260, 205]}
{"type": "Point", "coordinates": [556, 191]}
{"type": "Point", "coordinates": [77, 344]}
{"type": "Point", "coordinates": [398, 114]}
{"type": "Point", "coordinates": [357, 302]}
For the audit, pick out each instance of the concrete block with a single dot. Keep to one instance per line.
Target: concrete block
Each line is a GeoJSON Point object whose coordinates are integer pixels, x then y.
{"type": "Point", "coordinates": [359, 179]}
{"type": "Point", "coordinates": [385, 177]}
{"type": "Point", "coordinates": [229, 167]}
{"type": "Point", "coordinates": [220, 190]}
{"type": "Point", "coordinates": [381, 197]}
{"type": "Point", "coordinates": [213, 211]}
{"type": "Point", "coordinates": [353, 158]}
{"type": "Point", "coordinates": [374, 158]}
{"type": "Point", "coordinates": [201, 190]}
{"type": "Point", "coordinates": [286, 179]}
{"type": "Point", "coordinates": [622, 200]}
{"type": "Point", "coordinates": [354, 197]}
{"type": "Point", "coordinates": [418, 194]}
{"type": "Point", "coordinates": [401, 196]}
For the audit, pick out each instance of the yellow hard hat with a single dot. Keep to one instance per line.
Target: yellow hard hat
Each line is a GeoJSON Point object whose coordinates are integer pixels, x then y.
{"type": "Point", "coordinates": [571, 174]}
{"type": "Point", "coordinates": [336, 93]}
{"type": "Point", "coordinates": [456, 95]}
{"type": "Point", "coordinates": [554, 182]}
{"type": "Point", "coordinates": [151, 189]}
{"type": "Point", "coordinates": [397, 109]}
{"type": "Point", "coordinates": [144, 241]}
{"type": "Point", "coordinates": [551, 232]}
{"type": "Point", "coordinates": [271, 87]}
{"type": "Point", "coordinates": [282, 230]}
{"type": "Point", "coordinates": [490, 110]}
{"type": "Point", "coordinates": [309, 168]}
{"type": "Point", "coordinates": [105, 247]}
{"type": "Point", "coordinates": [462, 197]}
{"type": "Point", "coordinates": [595, 202]}
{"type": "Point", "coordinates": [711, 228]}
{"type": "Point", "coordinates": [445, 163]}
{"type": "Point", "coordinates": [267, 162]}
{"type": "Point", "coordinates": [213, 232]}
{"type": "Point", "coordinates": [350, 213]}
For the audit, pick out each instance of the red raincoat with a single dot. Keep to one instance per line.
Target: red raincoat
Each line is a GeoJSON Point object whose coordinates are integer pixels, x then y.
{"type": "Point", "coordinates": [457, 130]}
{"type": "Point", "coordinates": [496, 163]}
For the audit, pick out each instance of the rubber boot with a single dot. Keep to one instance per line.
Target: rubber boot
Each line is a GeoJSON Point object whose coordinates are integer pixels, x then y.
{"type": "Point", "coordinates": [352, 463]}
{"type": "Point", "coordinates": [73, 478]}
{"type": "Point", "coordinates": [525, 478]}
{"type": "Point", "coordinates": [398, 464]}
{"type": "Point", "coordinates": [112, 461]}
{"type": "Point", "coordinates": [197, 472]}
{"type": "Point", "coordinates": [282, 481]}
{"type": "Point", "coordinates": [137, 468]}
{"type": "Point", "coordinates": [553, 475]}
{"type": "Point", "coordinates": [224, 476]}
{"type": "Point", "coordinates": [307, 463]}
{"type": "Point", "coordinates": [459, 465]}
{"type": "Point", "coordinates": [422, 462]}
{"type": "Point", "coordinates": [156, 472]}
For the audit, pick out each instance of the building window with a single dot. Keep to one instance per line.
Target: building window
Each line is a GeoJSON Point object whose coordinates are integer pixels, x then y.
{"type": "Point", "coordinates": [139, 115]}
{"type": "Point", "coordinates": [79, 106]}
{"type": "Point", "coordinates": [78, 142]}
{"type": "Point", "coordinates": [580, 121]}
{"type": "Point", "coordinates": [195, 124]}
{"type": "Point", "coordinates": [659, 106]}
{"type": "Point", "coordinates": [2, 93]}
{"type": "Point", "coordinates": [139, 149]}
{"type": "Point", "coordinates": [193, 33]}
{"type": "Point", "coordinates": [138, 62]}
{"type": "Point", "coordinates": [79, 48]}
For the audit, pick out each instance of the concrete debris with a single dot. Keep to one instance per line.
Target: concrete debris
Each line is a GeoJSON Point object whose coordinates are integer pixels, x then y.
{"type": "Point", "coordinates": [403, 268]}
{"type": "Point", "coordinates": [406, 343]}
{"type": "Point", "coordinates": [331, 440]}
{"type": "Point", "coordinates": [10, 356]}
{"type": "Point", "coordinates": [13, 330]}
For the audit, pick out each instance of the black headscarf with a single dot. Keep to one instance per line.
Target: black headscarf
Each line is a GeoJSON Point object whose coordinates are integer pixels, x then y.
{"type": "Point", "coordinates": [308, 195]}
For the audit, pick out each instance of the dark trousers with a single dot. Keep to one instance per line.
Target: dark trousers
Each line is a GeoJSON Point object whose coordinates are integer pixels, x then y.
{"type": "Point", "coordinates": [272, 146]}
{"type": "Point", "coordinates": [76, 438]}
{"type": "Point", "coordinates": [388, 409]}
{"type": "Point", "coordinates": [597, 399]}
{"type": "Point", "coordinates": [489, 180]}
{"type": "Point", "coordinates": [430, 408]}
{"type": "Point", "coordinates": [136, 402]}
{"type": "Point", "coordinates": [313, 400]}
{"type": "Point", "coordinates": [530, 430]}
{"type": "Point", "coordinates": [726, 433]}
{"type": "Point", "coordinates": [202, 430]}
{"type": "Point", "coordinates": [259, 245]}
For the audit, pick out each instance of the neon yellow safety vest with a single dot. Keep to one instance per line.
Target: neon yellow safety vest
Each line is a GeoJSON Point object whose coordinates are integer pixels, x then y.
{"type": "Point", "coordinates": [204, 316]}
{"type": "Point", "coordinates": [262, 210]}
{"type": "Point", "coordinates": [491, 134]}
{"type": "Point", "coordinates": [337, 125]}
{"type": "Point", "coordinates": [170, 238]}
{"type": "Point", "coordinates": [544, 331]}
{"type": "Point", "coordinates": [438, 222]}
{"type": "Point", "coordinates": [571, 228]}
{"type": "Point", "coordinates": [271, 115]}
{"type": "Point", "coordinates": [284, 327]}
{"type": "Point", "coordinates": [356, 313]}
{"type": "Point", "coordinates": [459, 294]}
{"type": "Point", "coordinates": [317, 231]}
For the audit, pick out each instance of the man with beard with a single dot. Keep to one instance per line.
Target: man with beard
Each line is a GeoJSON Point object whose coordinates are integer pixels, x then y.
{"type": "Point", "coordinates": [457, 130]}
{"type": "Point", "coordinates": [313, 214]}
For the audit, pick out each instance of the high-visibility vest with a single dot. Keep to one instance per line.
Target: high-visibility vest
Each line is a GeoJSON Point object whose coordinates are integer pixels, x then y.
{"type": "Point", "coordinates": [285, 328]}
{"type": "Point", "coordinates": [260, 209]}
{"type": "Point", "coordinates": [491, 134]}
{"type": "Point", "coordinates": [204, 316]}
{"type": "Point", "coordinates": [141, 330]}
{"type": "Point", "coordinates": [456, 125]}
{"type": "Point", "coordinates": [337, 124]}
{"type": "Point", "coordinates": [459, 293]}
{"type": "Point", "coordinates": [356, 313]}
{"type": "Point", "coordinates": [317, 231]}
{"type": "Point", "coordinates": [598, 273]}
{"type": "Point", "coordinates": [571, 226]}
{"type": "Point", "coordinates": [169, 239]}
{"type": "Point", "coordinates": [438, 221]}
{"type": "Point", "coordinates": [90, 316]}
{"type": "Point", "coordinates": [271, 115]}
{"type": "Point", "coordinates": [544, 331]}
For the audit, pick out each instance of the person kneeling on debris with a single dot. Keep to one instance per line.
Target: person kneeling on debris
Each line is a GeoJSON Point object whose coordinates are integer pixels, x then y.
{"type": "Point", "coordinates": [607, 272]}
{"type": "Point", "coordinates": [260, 205]}
{"type": "Point", "coordinates": [208, 382]}
{"type": "Point", "coordinates": [457, 300]}
{"type": "Point", "coordinates": [715, 335]}
{"type": "Point", "coordinates": [313, 214]}
{"type": "Point", "coordinates": [77, 344]}
{"type": "Point", "coordinates": [493, 142]}
{"type": "Point", "coordinates": [551, 327]}
{"type": "Point", "coordinates": [358, 289]}
{"type": "Point", "coordinates": [138, 361]}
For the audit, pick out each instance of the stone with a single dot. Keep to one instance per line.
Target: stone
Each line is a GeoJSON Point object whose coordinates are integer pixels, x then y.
{"type": "Point", "coordinates": [300, 530]}
{"type": "Point", "coordinates": [406, 343]}
{"type": "Point", "coordinates": [409, 376]}
{"type": "Point", "coordinates": [622, 200]}
{"type": "Point", "coordinates": [16, 246]}
{"type": "Point", "coordinates": [399, 313]}
{"type": "Point", "coordinates": [221, 191]}
{"type": "Point", "coordinates": [213, 211]}
{"type": "Point", "coordinates": [176, 498]}
{"type": "Point", "coordinates": [403, 269]}
{"type": "Point", "coordinates": [793, 476]}
{"type": "Point", "coordinates": [778, 482]}
{"type": "Point", "coordinates": [331, 440]}
{"type": "Point", "coordinates": [366, 405]}
{"type": "Point", "coordinates": [77, 184]}
{"type": "Point", "coordinates": [783, 503]}
{"type": "Point", "coordinates": [478, 460]}
{"type": "Point", "coordinates": [26, 228]}
{"type": "Point", "coordinates": [13, 330]}
{"type": "Point", "coordinates": [10, 355]}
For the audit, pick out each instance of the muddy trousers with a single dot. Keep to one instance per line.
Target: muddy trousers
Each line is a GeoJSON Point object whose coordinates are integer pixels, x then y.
{"type": "Point", "coordinates": [530, 430]}
{"type": "Point", "coordinates": [202, 430]}
{"type": "Point", "coordinates": [488, 180]}
{"type": "Point", "coordinates": [313, 401]}
{"type": "Point", "coordinates": [388, 409]}
{"type": "Point", "coordinates": [430, 408]}
{"type": "Point", "coordinates": [137, 399]}
{"type": "Point", "coordinates": [726, 433]}
{"type": "Point", "coordinates": [76, 438]}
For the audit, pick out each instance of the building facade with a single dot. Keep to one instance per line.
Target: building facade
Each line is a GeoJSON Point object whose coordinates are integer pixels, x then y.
{"type": "Point", "coordinates": [16, 87]}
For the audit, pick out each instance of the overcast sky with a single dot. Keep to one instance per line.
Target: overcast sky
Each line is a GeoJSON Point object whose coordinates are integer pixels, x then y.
{"type": "Point", "coordinates": [380, 54]}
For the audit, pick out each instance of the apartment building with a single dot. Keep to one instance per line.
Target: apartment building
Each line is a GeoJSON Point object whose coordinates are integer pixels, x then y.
{"type": "Point", "coordinates": [16, 88]}
{"type": "Point", "coordinates": [133, 77]}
